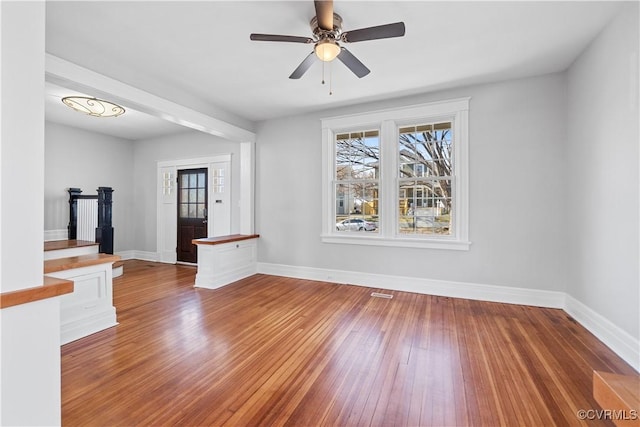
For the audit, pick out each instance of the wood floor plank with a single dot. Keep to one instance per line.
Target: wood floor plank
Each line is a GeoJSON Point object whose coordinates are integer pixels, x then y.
{"type": "Point", "coordinates": [276, 351]}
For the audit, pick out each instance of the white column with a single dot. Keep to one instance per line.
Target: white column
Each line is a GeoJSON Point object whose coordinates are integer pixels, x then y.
{"type": "Point", "coordinates": [30, 333]}
{"type": "Point", "coordinates": [247, 187]}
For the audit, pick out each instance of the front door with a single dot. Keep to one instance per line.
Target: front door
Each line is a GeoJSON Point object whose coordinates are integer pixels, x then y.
{"type": "Point", "coordinates": [192, 212]}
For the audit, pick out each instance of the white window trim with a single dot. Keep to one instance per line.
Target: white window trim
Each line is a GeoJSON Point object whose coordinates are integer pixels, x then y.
{"type": "Point", "coordinates": [388, 122]}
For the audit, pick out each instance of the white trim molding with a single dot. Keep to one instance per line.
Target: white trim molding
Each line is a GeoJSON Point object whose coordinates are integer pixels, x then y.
{"type": "Point", "coordinates": [166, 201]}
{"type": "Point", "coordinates": [140, 255]}
{"type": "Point", "coordinates": [475, 291]}
{"type": "Point", "coordinates": [618, 340]}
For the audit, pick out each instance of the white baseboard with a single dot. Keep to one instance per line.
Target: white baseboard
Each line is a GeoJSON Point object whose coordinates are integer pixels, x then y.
{"type": "Point", "coordinates": [51, 235]}
{"type": "Point", "coordinates": [125, 255]}
{"type": "Point", "coordinates": [141, 255]}
{"type": "Point", "coordinates": [618, 340]}
{"type": "Point", "coordinates": [445, 288]}
{"type": "Point", "coordinates": [146, 256]}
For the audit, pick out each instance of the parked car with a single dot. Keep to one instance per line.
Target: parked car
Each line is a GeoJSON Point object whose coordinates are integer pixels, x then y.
{"type": "Point", "coordinates": [355, 224]}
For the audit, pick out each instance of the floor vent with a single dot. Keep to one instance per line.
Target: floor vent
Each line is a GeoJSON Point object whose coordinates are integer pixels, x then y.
{"type": "Point", "coordinates": [379, 295]}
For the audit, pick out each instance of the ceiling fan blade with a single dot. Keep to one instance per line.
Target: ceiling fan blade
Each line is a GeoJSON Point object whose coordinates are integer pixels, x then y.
{"type": "Point", "coordinates": [324, 13]}
{"type": "Point", "coordinates": [353, 63]}
{"type": "Point", "coordinates": [373, 33]}
{"type": "Point", "coordinates": [280, 38]}
{"type": "Point", "coordinates": [304, 66]}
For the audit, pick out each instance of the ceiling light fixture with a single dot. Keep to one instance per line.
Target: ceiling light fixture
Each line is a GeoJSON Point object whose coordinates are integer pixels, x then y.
{"type": "Point", "coordinates": [327, 50]}
{"type": "Point", "coordinates": [93, 106]}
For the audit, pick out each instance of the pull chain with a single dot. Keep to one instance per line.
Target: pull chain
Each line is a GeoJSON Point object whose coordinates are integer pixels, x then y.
{"type": "Point", "coordinates": [330, 77]}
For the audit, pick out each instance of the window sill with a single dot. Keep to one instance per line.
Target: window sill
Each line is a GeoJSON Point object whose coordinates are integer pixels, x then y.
{"type": "Point", "coordinates": [398, 242]}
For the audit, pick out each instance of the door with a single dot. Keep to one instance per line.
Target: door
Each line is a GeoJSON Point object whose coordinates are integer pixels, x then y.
{"type": "Point", "coordinates": [192, 212]}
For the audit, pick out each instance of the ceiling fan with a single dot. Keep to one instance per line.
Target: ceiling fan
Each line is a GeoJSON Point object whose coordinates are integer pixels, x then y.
{"type": "Point", "coordinates": [327, 36]}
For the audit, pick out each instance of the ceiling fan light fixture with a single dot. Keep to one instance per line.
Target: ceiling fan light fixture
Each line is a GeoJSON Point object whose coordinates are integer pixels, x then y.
{"type": "Point", "coordinates": [93, 106]}
{"type": "Point", "coordinates": [327, 50]}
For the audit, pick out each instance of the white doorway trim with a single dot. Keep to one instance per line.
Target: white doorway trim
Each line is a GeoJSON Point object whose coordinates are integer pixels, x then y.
{"type": "Point", "coordinates": [166, 206]}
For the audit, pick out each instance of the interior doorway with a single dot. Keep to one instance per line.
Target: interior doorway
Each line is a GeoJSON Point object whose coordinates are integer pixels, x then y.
{"type": "Point", "coordinates": [194, 201]}
{"type": "Point", "coordinates": [192, 212]}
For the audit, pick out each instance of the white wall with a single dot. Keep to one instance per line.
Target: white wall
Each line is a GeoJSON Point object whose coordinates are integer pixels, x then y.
{"type": "Point", "coordinates": [602, 166]}
{"type": "Point", "coordinates": [30, 337]}
{"type": "Point", "coordinates": [88, 160]}
{"type": "Point", "coordinates": [188, 145]}
{"type": "Point", "coordinates": [517, 197]}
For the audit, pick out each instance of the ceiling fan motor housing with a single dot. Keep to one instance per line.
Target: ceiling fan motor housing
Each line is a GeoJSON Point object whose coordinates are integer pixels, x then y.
{"type": "Point", "coordinates": [321, 34]}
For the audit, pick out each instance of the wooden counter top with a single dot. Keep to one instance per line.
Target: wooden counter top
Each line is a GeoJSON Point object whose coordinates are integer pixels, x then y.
{"type": "Point", "coordinates": [224, 239]}
{"type": "Point", "coordinates": [52, 287]}
{"type": "Point", "coordinates": [61, 264]}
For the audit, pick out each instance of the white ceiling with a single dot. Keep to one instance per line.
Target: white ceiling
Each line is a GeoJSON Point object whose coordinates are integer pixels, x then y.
{"type": "Point", "coordinates": [132, 125]}
{"type": "Point", "coordinates": [199, 53]}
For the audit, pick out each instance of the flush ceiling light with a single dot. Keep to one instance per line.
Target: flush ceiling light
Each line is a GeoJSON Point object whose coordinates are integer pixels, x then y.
{"type": "Point", "coordinates": [93, 106]}
{"type": "Point", "coordinates": [327, 50]}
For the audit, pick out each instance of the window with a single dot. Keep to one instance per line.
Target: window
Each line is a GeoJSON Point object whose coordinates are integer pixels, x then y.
{"type": "Point", "coordinates": [398, 177]}
{"type": "Point", "coordinates": [425, 177]}
{"type": "Point", "coordinates": [357, 181]}
{"type": "Point", "coordinates": [192, 196]}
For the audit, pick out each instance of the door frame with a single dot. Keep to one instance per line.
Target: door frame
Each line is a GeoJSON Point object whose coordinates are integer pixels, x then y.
{"type": "Point", "coordinates": [167, 200]}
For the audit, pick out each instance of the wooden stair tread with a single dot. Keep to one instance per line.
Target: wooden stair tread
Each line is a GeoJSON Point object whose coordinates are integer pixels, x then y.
{"type": "Point", "coordinates": [118, 264]}
{"type": "Point", "coordinates": [56, 245]}
{"type": "Point", "coordinates": [619, 393]}
{"type": "Point", "coordinates": [68, 263]}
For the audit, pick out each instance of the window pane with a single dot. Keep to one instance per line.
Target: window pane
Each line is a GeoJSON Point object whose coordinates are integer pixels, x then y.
{"type": "Point", "coordinates": [357, 157]}
{"type": "Point", "coordinates": [201, 182]}
{"type": "Point", "coordinates": [201, 195]}
{"type": "Point", "coordinates": [424, 207]}
{"type": "Point", "coordinates": [200, 210]}
{"type": "Point", "coordinates": [193, 195]}
{"type": "Point", "coordinates": [193, 182]}
{"type": "Point", "coordinates": [427, 145]}
{"type": "Point", "coordinates": [357, 207]}
{"type": "Point", "coordinates": [342, 200]}
{"type": "Point", "coordinates": [184, 210]}
{"type": "Point", "coordinates": [192, 210]}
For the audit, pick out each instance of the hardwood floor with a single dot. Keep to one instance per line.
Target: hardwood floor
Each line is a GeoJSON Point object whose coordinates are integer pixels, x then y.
{"type": "Point", "coordinates": [277, 351]}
